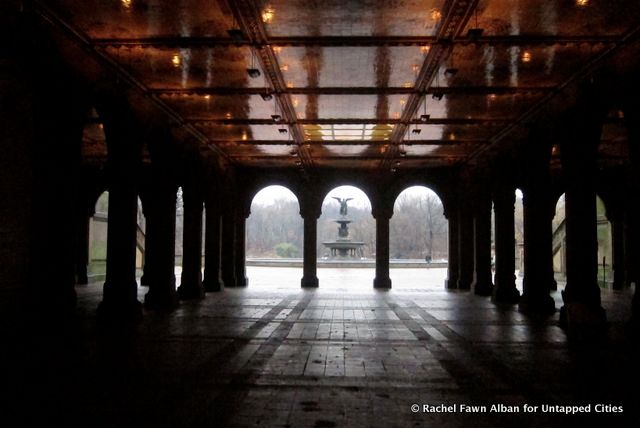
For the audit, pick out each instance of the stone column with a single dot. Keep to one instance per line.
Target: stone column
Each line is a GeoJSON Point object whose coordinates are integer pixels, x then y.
{"type": "Point", "coordinates": [505, 290]}
{"type": "Point", "coordinates": [632, 241]}
{"type": "Point", "coordinates": [82, 247]}
{"type": "Point", "coordinates": [382, 279]}
{"type": "Point", "coordinates": [228, 257]}
{"type": "Point", "coordinates": [119, 301]}
{"type": "Point", "coordinates": [630, 247]}
{"type": "Point", "coordinates": [465, 248]}
{"type": "Point", "coordinates": [310, 250]}
{"type": "Point", "coordinates": [482, 281]}
{"type": "Point", "coordinates": [582, 311]}
{"type": "Point", "coordinates": [451, 282]}
{"type": "Point", "coordinates": [212, 241]}
{"type": "Point", "coordinates": [191, 281]}
{"type": "Point", "coordinates": [240, 247]}
{"type": "Point", "coordinates": [161, 225]}
{"type": "Point", "coordinates": [149, 246]}
{"type": "Point", "coordinates": [538, 258]}
{"type": "Point", "coordinates": [617, 249]}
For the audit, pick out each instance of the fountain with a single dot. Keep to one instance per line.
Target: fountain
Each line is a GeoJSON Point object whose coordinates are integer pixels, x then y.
{"type": "Point", "coordinates": [343, 246]}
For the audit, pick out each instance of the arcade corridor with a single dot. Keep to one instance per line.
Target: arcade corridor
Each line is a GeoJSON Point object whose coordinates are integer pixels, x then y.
{"type": "Point", "coordinates": [472, 99]}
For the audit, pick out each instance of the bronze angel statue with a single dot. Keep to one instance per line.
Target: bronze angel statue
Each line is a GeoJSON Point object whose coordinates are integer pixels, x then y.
{"type": "Point", "coordinates": [343, 204]}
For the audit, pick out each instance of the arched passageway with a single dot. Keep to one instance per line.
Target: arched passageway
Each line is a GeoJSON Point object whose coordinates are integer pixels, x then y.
{"type": "Point", "coordinates": [418, 234]}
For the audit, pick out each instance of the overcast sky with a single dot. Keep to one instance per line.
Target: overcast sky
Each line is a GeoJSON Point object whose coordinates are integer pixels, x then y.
{"type": "Point", "coordinates": [269, 194]}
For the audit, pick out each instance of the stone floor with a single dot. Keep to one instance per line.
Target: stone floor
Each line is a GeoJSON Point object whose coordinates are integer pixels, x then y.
{"type": "Point", "coordinates": [274, 355]}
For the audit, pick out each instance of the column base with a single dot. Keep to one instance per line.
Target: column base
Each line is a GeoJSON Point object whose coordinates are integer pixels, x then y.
{"type": "Point", "coordinates": [82, 278]}
{"type": "Point", "coordinates": [213, 285]}
{"type": "Point", "coordinates": [538, 304]}
{"type": "Point", "coordinates": [242, 281]}
{"type": "Point", "coordinates": [583, 322]}
{"type": "Point", "coordinates": [509, 295]}
{"type": "Point", "coordinates": [451, 284]}
{"type": "Point", "coordinates": [119, 313]}
{"type": "Point", "coordinates": [309, 282]}
{"type": "Point", "coordinates": [464, 284]}
{"type": "Point", "coordinates": [382, 283]}
{"type": "Point", "coordinates": [161, 301]}
{"type": "Point", "coordinates": [191, 291]}
{"type": "Point", "coordinates": [229, 282]}
{"type": "Point", "coordinates": [482, 288]}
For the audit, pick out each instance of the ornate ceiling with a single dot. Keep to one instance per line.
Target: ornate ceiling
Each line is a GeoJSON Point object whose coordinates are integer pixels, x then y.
{"type": "Point", "coordinates": [351, 84]}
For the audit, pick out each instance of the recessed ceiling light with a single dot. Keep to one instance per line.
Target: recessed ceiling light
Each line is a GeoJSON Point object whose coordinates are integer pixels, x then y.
{"type": "Point", "coordinates": [582, 3]}
{"type": "Point", "coordinates": [267, 14]}
{"type": "Point", "coordinates": [126, 3]}
{"type": "Point", "coordinates": [435, 14]}
{"type": "Point", "coordinates": [175, 60]}
{"type": "Point", "coordinates": [526, 56]}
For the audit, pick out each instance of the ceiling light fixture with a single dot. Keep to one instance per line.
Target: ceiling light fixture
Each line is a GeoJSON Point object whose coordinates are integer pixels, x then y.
{"type": "Point", "coordinates": [437, 95]}
{"type": "Point", "coordinates": [266, 96]}
{"type": "Point", "coordinates": [582, 3]}
{"type": "Point", "coordinates": [435, 14]}
{"type": "Point", "coordinates": [424, 117]}
{"type": "Point", "coordinates": [175, 60]}
{"type": "Point", "coordinates": [276, 117]}
{"type": "Point", "coordinates": [252, 71]}
{"type": "Point", "coordinates": [476, 32]}
{"type": "Point", "coordinates": [126, 3]}
{"type": "Point", "coordinates": [526, 56]}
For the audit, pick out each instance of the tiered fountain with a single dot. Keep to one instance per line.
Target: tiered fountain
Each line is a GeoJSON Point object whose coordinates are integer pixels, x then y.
{"type": "Point", "coordinates": [343, 246]}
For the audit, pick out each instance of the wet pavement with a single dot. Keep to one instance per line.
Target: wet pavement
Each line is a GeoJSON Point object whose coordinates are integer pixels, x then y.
{"type": "Point", "coordinates": [275, 355]}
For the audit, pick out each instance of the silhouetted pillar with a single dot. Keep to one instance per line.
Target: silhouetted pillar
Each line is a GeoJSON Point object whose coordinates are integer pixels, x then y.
{"type": "Point", "coordinates": [119, 301]}
{"type": "Point", "coordinates": [482, 283]}
{"type": "Point", "coordinates": [82, 248]}
{"type": "Point", "coordinates": [191, 281]}
{"type": "Point", "coordinates": [161, 224]}
{"type": "Point", "coordinates": [228, 259]}
{"type": "Point", "coordinates": [382, 279]}
{"type": "Point", "coordinates": [538, 258]}
{"type": "Point", "coordinates": [452, 259]}
{"type": "Point", "coordinates": [632, 241]}
{"type": "Point", "coordinates": [149, 246]}
{"type": "Point", "coordinates": [310, 250]}
{"type": "Point", "coordinates": [617, 249]}
{"type": "Point", "coordinates": [212, 242]}
{"type": "Point", "coordinates": [505, 290]}
{"type": "Point", "coordinates": [240, 246]}
{"type": "Point", "coordinates": [630, 247]}
{"type": "Point", "coordinates": [582, 311]}
{"type": "Point", "coordinates": [465, 248]}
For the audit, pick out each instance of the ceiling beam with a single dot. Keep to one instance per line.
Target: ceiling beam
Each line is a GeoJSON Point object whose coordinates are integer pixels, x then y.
{"type": "Point", "coordinates": [337, 41]}
{"type": "Point", "coordinates": [456, 15]}
{"type": "Point", "coordinates": [339, 121]}
{"type": "Point", "coordinates": [447, 90]}
{"type": "Point", "coordinates": [250, 22]}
